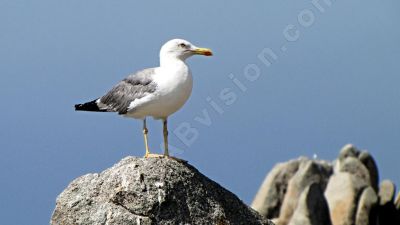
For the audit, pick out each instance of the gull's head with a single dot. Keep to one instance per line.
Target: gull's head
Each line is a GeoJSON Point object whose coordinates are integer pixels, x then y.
{"type": "Point", "coordinates": [182, 49]}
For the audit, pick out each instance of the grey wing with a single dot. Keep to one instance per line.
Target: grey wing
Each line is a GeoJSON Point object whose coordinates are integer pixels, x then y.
{"type": "Point", "coordinates": [133, 87]}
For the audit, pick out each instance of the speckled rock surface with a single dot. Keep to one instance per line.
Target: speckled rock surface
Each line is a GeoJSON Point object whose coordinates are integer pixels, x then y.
{"type": "Point", "coordinates": [152, 191]}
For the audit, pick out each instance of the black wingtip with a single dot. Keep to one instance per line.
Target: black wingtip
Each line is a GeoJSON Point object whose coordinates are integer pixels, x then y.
{"type": "Point", "coordinates": [88, 106]}
{"type": "Point", "coordinates": [78, 107]}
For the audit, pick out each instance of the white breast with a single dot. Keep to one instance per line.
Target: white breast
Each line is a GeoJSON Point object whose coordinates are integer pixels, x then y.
{"type": "Point", "coordinates": [174, 86]}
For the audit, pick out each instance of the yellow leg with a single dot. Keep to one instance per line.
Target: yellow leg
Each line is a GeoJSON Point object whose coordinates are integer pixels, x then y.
{"type": "Point", "coordinates": [145, 131]}
{"type": "Point", "coordinates": [166, 152]}
{"type": "Point", "coordinates": [148, 154]}
{"type": "Point", "coordinates": [165, 132]}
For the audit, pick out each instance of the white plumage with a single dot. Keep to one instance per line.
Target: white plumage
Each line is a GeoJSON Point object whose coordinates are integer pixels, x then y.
{"type": "Point", "coordinates": [157, 92]}
{"type": "Point", "coordinates": [174, 86]}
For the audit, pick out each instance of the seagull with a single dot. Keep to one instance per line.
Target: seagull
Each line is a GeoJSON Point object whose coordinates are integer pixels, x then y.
{"type": "Point", "coordinates": [153, 92]}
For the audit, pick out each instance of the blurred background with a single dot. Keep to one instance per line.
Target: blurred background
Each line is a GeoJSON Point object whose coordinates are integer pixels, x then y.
{"type": "Point", "coordinates": [316, 75]}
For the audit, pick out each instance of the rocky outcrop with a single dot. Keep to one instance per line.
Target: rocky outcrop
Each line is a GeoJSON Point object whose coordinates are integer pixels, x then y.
{"type": "Point", "coordinates": [269, 198]}
{"type": "Point", "coordinates": [312, 208]}
{"type": "Point", "coordinates": [388, 214]}
{"type": "Point", "coordinates": [348, 188]}
{"type": "Point", "coordinates": [387, 192]}
{"type": "Point", "coordinates": [152, 191]}
{"type": "Point", "coordinates": [372, 168]}
{"type": "Point", "coordinates": [342, 195]}
{"type": "Point", "coordinates": [309, 172]}
{"type": "Point", "coordinates": [367, 206]}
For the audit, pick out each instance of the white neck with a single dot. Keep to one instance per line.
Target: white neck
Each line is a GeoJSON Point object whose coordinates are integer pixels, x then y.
{"type": "Point", "coordinates": [170, 60]}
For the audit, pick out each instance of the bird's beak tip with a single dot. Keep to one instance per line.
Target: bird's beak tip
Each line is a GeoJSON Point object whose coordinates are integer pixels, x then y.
{"type": "Point", "coordinates": [203, 51]}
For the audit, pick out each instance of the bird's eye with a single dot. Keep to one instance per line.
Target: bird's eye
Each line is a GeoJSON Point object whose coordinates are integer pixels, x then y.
{"type": "Point", "coordinates": [182, 45]}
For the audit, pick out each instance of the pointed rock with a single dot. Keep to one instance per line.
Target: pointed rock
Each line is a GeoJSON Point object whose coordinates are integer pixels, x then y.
{"type": "Point", "coordinates": [355, 167]}
{"type": "Point", "coordinates": [370, 164]}
{"type": "Point", "coordinates": [348, 150]}
{"type": "Point", "coordinates": [387, 213]}
{"type": "Point", "coordinates": [269, 197]}
{"type": "Point", "coordinates": [387, 191]}
{"type": "Point", "coordinates": [367, 208]}
{"type": "Point", "coordinates": [342, 195]}
{"type": "Point", "coordinates": [309, 172]}
{"type": "Point", "coordinates": [312, 208]}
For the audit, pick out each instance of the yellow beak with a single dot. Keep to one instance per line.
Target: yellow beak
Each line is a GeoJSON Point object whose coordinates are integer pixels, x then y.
{"type": "Point", "coordinates": [203, 51]}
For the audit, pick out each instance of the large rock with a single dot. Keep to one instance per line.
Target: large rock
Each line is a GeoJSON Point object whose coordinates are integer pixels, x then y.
{"type": "Point", "coordinates": [312, 208]}
{"type": "Point", "coordinates": [342, 195]}
{"type": "Point", "coordinates": [367, 208]}
{"type": "Point", "coordinates": [350, 153]}
{"type": "Point", "coordinates": [355, 167]}
{"type": "Point", "coordinates": [387, 192]}
{"type": "Point", "coordinates": [348, 150]}
{"type": "Point", "coordinates": [308, 173]}
{"type": "Point", "coordinates": [351, 193]}
{"type": "Point", "coordinates": [388, 213]}
{"type": "Point", "coordinates": [152, 191]}
{"type": "Point", "coordinates": [269, 197]}
{"type": "Point", "coordinates": [370, 164]}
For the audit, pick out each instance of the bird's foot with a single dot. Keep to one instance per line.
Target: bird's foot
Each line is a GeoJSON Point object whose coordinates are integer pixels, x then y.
{"type": "Point", "coordinates": [152, 155]}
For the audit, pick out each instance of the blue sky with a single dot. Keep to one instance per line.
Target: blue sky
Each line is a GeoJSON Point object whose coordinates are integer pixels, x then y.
{"type": "Point", "coordinates": [315, 78]}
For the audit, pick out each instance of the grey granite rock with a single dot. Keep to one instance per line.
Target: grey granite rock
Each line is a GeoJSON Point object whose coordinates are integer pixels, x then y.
{"type": "Point", "coordinates": [351, 153]}
{"type": "Point", "coordinates": [387, 191]}
{"type": "Point", "coordinates": [312, 208]}
{"type": "Point", "coordinates": [152, 191]}
{"type": "Point", "coordinates": [367, 208]}
{"type": "Point", "coordinates": [351, 193]}
{"type": "Point", "coordinates": [355, 167]}
{"type": "Point", "coordinates": [269, 197]}
{"type": "Point", "coordinates": [387, 214]}
{"type": "Point", "coordinates": [308, 173]}
{"type": "Point", "coordinates": [342, 195]}
{"type": "Point", "coordinates": [370, 164]}
{"type": "Point", "coordinates": [348, 150]}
